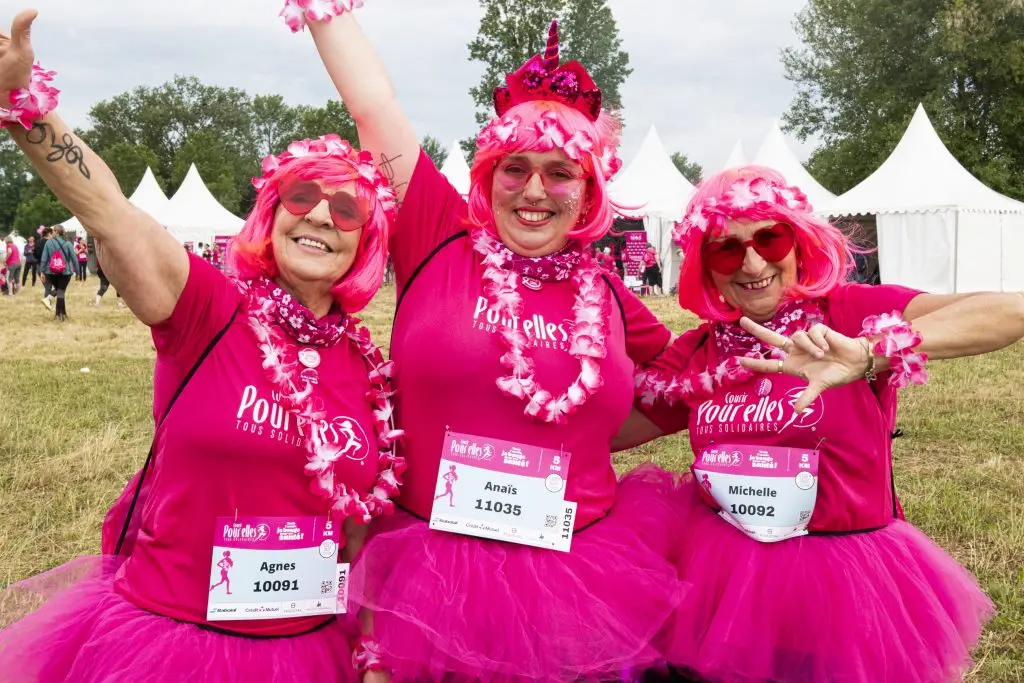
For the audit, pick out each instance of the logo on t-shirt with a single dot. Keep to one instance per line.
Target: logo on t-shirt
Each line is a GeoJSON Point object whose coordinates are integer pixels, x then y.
{"type": "Point", "coordinates": [753, 413]}
{"type": "Point", "coordinates": [267, 418]}
{"type": "Point", "coordinates": [538, 330]}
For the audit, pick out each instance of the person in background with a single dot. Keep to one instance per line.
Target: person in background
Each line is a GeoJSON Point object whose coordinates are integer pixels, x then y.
{"type": "Point", "coordinates": [30, 262]}
{"type": "Point", "coordinates": [104, 285]}
{"type": "Point", "coordinates": [652, 270]}
{"type": "Point", "coordinates": [58, 263]}
{"type": "Point", "coordinates": [45, 235]}
{"type": "Point", "coordinates": [82, 254]}
{"type": "Point", "coordinates": [13, 262]}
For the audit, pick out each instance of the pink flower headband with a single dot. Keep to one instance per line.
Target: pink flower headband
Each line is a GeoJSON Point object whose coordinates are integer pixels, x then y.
{"type": "Point", "coordinates": [297, 12]}
{"type": "Point", "coordinates": [505, 132]}
{"type": "Point", "coordinates": [747, 198]}
{"type": "Point", "coordinates": [31, 104]}
{"type": "Point", "coordinates": [332, 146]}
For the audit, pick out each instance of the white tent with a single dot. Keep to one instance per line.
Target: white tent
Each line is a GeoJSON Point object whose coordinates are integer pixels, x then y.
{"type": "Point", "coordinates": [194, 215]}
{"type": "Point", "coordinates": [456, 170]}
{"type": "Point", "coordinates": [652, 188]}
{"type": "Point", "coordinates": [737, 158]}
{"type": "Point", "coordinates": [939, 228]}
{"type": "Point", "coordinates": [776, 154]}
{"type": "Point", "coordinates": [147, 196]}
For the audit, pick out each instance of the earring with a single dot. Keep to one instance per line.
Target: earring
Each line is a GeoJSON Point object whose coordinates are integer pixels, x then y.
{"type": "Point", "coordinates": [721, 298]}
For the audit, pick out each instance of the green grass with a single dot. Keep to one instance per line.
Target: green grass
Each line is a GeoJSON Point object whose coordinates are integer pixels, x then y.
{"type": "Point", "coordinates": [70, 440]}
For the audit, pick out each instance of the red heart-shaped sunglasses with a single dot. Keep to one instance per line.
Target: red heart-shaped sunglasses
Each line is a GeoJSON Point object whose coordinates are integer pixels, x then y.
{"type": "Point", "coordinates": [299, 197]}
{"type": "Point", "coordinates": [772, 243]}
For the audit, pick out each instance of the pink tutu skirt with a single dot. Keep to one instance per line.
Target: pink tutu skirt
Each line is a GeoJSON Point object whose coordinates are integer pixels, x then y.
{"type": "Point", "coordinates": [459, 608]}
{"type": "Point", "coordinates": [87, 633]}
{"type": "Point", "coordinates": [887, 606]}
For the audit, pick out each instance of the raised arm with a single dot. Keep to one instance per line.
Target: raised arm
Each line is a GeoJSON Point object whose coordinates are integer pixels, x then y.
{"type": "Point", "coordinates": [141, 259]}
{"type": "Point", "coordinates": [365, 87]}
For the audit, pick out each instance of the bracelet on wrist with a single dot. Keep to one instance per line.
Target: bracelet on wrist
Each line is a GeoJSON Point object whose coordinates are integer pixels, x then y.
{"type": "Point", "coordinates": [367, 656]}
{"type": "Point", "coordinates": [897, 341]}
{"type": "Point", "coordinates": [31, 104]}
{"type": "Point", "coordinates": [297, 13]}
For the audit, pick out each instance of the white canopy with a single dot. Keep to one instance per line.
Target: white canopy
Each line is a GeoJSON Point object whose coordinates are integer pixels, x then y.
{"type": "Point", "coordinates": [656, 191]}
{"type": "Point", "coordinates": [456, 170]}
{"type": "Point", "coordinates": [737, 158]}
{"type": "Point", "coordinates": [147, 196]}
{"type": "Point", "coordinates": [775, 153]}
{"type": "Point", "coordinates": [194, 215]}
{"type": "Point", "coordinates": [939, 228]}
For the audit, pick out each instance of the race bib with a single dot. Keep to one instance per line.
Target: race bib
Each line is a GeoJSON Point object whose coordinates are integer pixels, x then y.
{"type": "Point", "coordinates": [503, 491]}
{"type": "Point", "coordinates": [767, 492]}
{"type": "Point", "coordinates": [276, 568]}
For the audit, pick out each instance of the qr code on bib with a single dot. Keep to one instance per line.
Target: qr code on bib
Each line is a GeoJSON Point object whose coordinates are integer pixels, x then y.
{"type": "Point", "coordinates": [550, 521]}
{"type": "Point", "coordinates": [326, 587]}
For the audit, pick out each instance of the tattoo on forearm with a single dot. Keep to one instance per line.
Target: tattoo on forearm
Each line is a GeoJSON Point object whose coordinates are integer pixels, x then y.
{"type": "Point", "coordinates": [66, 149]}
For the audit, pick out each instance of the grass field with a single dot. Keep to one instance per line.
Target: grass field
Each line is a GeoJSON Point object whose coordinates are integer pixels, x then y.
{"type": "Point", "coordinates": [69, 441]}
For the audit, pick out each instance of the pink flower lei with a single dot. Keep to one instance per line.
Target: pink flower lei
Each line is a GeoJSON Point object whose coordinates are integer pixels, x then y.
{"type": "Point", "coordinates": [296, 13]}
{"type": "Point", "coordinates": [296, 396]}
{"type": "Point", "coordinates": [31, 104]}
{"type": "Point", "coordinates": [748, 198]}
{"type": "Point", "coordinates": [587, 343]}
{"type": "Point", "coordinates": [733, 342]}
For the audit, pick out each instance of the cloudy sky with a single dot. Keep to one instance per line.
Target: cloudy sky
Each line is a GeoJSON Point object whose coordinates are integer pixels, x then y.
{"type": "Point", "coordinates": [706, 72]}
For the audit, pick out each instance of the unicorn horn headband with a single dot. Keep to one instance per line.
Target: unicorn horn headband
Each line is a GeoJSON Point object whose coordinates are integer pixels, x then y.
{"type": "Point", "coordinates": [541, 78]}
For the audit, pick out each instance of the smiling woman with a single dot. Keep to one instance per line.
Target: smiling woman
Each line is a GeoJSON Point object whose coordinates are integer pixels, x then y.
{"type": "Point", "coordinates": [274, 438]}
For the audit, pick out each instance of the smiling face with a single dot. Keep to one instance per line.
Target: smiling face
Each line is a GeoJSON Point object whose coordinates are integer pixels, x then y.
{"type": "Point", "coordinates": [758, 286]}
{"type": "Point", "coordinates": [310, 252]}
{"type": "Point", "coordinates": [537, 198]}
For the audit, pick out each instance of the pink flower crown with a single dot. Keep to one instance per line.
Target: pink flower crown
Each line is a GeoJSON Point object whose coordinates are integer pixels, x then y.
{"type": "Point", "coordinates": [753, 199]}
{"type": "Point", "coordinates": [297, 12]}
{"type": "Point", "coordinates": [332, 146]}
{"type": "Point", "coordinates": [31, 104]}
{"type": "Point", "coordinates": [504, 131]}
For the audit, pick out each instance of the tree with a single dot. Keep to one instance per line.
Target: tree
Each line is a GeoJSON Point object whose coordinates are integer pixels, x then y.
{"type": "Point", "coordinates": [219, 169]}
{"type": "Point", "coordinates": [857, 86]}
{"type": "Point", "coordinates": [512, 31]}
{"type": "Point", "coordinates": [15, 177]}
{"type": "Point", "coordinates": [41, 209]}
{"type": "Point", "coordinates": [333, 117]}
{"type": "Point", "coordinates": [435, 150]}
{"type": "Point", "coordinates": [691, 170]}
{"type": "Point", "coordinates": [128, 163]}
{"type": "Point", "coordinates": [274, 124]}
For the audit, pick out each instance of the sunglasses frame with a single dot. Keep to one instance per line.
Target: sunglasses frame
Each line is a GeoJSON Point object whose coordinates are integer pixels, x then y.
{"type": "Point", "coordinates": [292, 182]}
{"type": "Point", "coordinates": [715, 260]}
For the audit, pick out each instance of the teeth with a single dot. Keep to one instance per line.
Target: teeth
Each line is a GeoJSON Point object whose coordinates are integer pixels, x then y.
{"type": "Point", "coordinates": [533, 217]}
{"type": "Point", "coordinates": [316, 244]}
{"type": "Point", "coordinates": [760, 284]}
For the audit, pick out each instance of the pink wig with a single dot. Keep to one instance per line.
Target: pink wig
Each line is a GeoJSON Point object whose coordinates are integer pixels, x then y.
{"type": "Point", "coordinates": [251, 253]}
{"type": "Point", "coordinates": [523, 134]}
{"type": "Point", "coordinates": [824, 254]}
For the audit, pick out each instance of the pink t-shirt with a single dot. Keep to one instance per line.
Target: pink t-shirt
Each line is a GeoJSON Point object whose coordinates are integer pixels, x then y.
{"type": "Point", "coordinates": [650, 258]}
{"type": "Point", "coordinates": [447, 349]}
{"type": "Point", "coordinates": [13, 255]}
{"type": "Point", "coordinates": [851, 425]}
{"type": "Point", "coordinates": [228, 448]}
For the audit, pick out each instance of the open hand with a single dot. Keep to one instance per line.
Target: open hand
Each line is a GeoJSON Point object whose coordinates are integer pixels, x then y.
{"type": "Point", "coordinates": [821, 356]}
{"type": "Point", "coordinates": [16, 55]}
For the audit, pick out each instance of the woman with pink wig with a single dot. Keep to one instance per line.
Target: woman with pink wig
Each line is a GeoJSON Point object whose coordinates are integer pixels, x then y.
{"type": "Point", "coordinates": [514, 359]}
{"type": "Point", "coordinates": [257, 374]}
{"type": "Point", "coordinates": [802, 565]}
